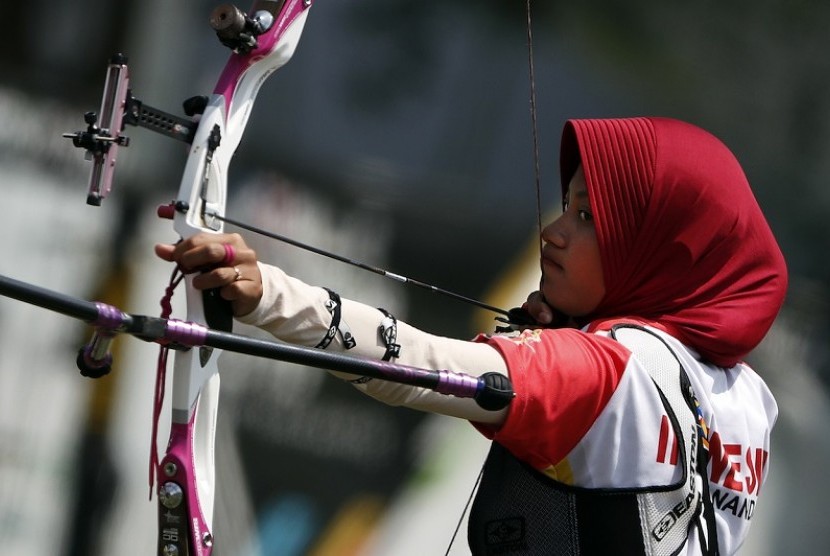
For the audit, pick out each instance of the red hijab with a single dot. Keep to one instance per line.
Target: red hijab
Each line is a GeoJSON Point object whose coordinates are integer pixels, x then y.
{"type": "Point", "coordinates": [682, 239]}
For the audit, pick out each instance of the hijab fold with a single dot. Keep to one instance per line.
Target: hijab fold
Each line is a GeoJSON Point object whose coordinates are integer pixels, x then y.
{"type": "Point", "coordinates": [682, 239]}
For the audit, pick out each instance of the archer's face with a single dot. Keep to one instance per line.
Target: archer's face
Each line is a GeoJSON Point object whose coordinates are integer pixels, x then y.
{"type": "Point", "coordinates": [572, 279]}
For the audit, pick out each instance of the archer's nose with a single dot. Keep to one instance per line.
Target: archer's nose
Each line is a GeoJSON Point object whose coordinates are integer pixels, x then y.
{"type": "Point", "coordinates": [555, 233]}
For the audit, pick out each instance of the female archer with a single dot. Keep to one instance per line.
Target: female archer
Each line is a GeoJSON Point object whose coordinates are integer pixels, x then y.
{"type": "Point", "coordinates": [636, 427]}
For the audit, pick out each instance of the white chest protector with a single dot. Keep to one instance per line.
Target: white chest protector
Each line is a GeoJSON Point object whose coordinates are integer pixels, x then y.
{"type": "Point", "coordinates": [518, 510]}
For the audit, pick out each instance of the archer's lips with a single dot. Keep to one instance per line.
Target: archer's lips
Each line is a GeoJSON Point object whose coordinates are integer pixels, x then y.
{"type": "Point", "coordinates": [549, 261]}
{"type": "Point", "coordinates": [550, 264]}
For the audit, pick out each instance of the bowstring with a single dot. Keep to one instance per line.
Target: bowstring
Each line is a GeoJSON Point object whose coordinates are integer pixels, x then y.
{"type": "Point", "coordinates": [465, 510]}
{"type": "Point", "coordinates": [537, 176]}
{"type": "Point", "coordinates": [534, 125]}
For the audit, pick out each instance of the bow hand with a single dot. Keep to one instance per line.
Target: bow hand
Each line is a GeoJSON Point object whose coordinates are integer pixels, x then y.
{"type": "Point", "coordinates": [222, 263]}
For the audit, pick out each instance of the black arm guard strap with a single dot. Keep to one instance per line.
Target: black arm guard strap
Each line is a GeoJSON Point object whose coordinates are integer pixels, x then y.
{"type": "Point", "coordinates": [338, 325]}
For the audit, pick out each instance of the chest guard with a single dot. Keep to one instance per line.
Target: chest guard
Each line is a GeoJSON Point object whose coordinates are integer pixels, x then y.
{"type": "Point", "coordinates": [518, 510]}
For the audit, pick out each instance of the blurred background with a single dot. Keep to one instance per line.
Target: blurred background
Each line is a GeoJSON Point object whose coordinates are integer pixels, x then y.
{"type": "Point", "coordinates": [400, 134]}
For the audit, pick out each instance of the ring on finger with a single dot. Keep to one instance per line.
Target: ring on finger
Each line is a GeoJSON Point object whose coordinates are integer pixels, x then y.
{"type": "Point", "coordinates": [230, 254]}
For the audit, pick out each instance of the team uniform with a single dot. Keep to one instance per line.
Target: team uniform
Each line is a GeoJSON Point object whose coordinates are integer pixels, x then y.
{"type": "Point", "coordinates": [599, 422]}
{"type": "Point", "coordinates": [587, 414]}
{"type": "Point", "coordinates": [639, 430]}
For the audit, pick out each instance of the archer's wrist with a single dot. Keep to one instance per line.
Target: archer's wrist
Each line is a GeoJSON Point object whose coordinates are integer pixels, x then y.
{"type": "Point", "coordinates": [289, 309]}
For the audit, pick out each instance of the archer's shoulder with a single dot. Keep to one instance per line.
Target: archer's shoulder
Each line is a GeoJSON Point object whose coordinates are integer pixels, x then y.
{"type": "Point", "coordinates": [577, 348]}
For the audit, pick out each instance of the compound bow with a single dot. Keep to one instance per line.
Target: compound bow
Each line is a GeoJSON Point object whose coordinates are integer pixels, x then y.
{"type": "Point", "coordinates": [262, 41]}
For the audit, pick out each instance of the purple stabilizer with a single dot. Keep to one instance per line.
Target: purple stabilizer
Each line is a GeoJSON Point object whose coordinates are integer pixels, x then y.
{"type": "Point", "coordinates": [463, 386]}
{"type": "Point", "coordinates": [185, 333]}
{"type": "Point", "coordinates": [109, 317]}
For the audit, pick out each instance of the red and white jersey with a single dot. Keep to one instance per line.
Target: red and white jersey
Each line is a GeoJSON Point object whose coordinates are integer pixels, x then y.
{"type": "Point", "coordinates": [588, 414]}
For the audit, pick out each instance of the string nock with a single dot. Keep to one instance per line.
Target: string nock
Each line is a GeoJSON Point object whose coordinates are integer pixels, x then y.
{"type": "Point", "coordinates": [169, 210]}
{"type": "Point", "coordinates": [238, 31]}
{"type": "Point", "coordinates": [94, 359]}
{"type": "Point", "coordinates": [495, 392]}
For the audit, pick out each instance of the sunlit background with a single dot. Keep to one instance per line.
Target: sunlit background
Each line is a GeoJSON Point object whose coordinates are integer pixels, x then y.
{"type": "Point", "coordinates": [400, 134]}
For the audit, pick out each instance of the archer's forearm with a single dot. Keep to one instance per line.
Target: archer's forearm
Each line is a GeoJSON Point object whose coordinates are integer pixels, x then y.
{"type": "Point", "coordinates": [296, 312]}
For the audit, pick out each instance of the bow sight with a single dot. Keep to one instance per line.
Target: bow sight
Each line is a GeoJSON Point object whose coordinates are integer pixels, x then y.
{"type": "Point", "coordinates": [119, 107]}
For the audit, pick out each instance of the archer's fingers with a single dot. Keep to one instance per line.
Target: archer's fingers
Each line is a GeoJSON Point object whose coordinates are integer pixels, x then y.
{"type": "Point", "coordinates": [245, 289]}
{"type": "Point", "coordinates": [538, 308]}
{"type": "Point", "coordinates": [206, 251]}
{"type": "Point", "coordinates": [240, 284]}
{"type": "Point", "coordinates": [165, 251]}
{"type": "Point", "coordinates": [222, 276]}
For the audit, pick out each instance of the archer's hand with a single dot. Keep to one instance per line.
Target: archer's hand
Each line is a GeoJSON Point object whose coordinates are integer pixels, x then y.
{"type": "Point", "coordinates": [225, 262]}
{"type": "Point", "coordinates": [538, 308]}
